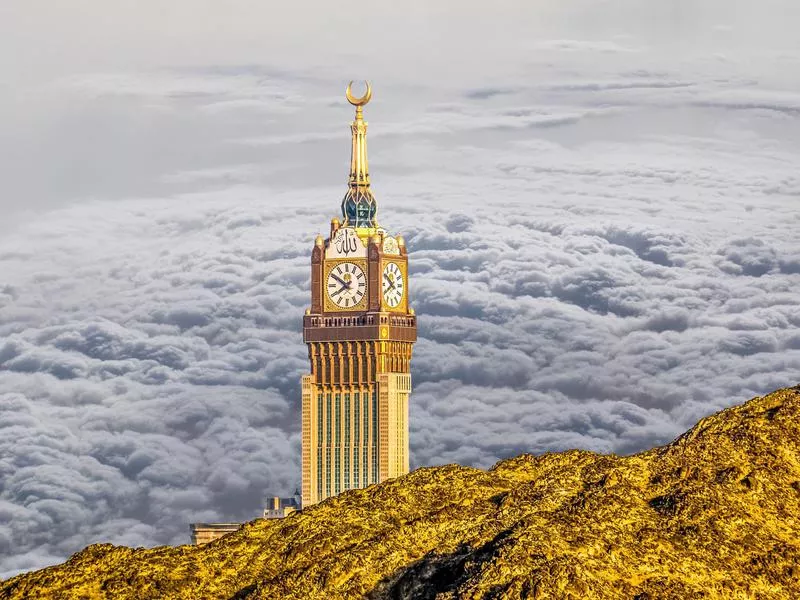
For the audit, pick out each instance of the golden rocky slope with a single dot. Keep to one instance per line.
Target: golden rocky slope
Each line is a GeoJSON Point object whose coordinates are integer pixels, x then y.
{"type": "Point", "coordinates": [714, 514]}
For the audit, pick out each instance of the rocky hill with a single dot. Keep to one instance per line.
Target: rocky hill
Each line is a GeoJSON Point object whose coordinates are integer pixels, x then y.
{"type": "Point", "coordinates": [714, 514]}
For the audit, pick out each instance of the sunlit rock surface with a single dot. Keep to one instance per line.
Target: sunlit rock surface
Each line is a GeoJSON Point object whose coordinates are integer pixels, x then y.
{"type": "Point", "coordinates": [714, 514]}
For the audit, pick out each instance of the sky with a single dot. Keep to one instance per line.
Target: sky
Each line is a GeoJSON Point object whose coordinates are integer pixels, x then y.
{"type": "Point", "coordinates": [600, 199]}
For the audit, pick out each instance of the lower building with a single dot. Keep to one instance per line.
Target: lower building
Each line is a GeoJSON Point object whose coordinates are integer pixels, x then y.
{"type": "Point", "coordinates": [202, 533]}
{"type": "Point", "coordinates": [278, 508]}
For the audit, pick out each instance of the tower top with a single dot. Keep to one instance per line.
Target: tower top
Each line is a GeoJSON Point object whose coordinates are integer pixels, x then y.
{"type": "Point", "coordinates": [358, 102]}
{"type": "Point", "coordinates": [359, 207]}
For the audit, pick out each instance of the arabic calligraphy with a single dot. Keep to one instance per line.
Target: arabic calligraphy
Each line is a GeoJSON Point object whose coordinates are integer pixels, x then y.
{"type": "Point", "coordinates": [390, 246]}
{"type": "Point", "coordinates": [346, 244]}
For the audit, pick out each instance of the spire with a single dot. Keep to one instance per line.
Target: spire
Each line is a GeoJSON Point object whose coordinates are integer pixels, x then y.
{"type": "Point", "coordinates": [359, 206]}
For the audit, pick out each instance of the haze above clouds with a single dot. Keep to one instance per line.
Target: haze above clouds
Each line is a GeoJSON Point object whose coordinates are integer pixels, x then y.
{"type": "Point", "coordinates": [601, 201]}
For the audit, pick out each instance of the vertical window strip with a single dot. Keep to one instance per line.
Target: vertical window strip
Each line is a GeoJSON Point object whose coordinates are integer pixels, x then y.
{"type": "Point", "coordinates": [328, 424]}
{"type": "Point", "coordinates": [399, 453]}
{"type": "Point", "coordinates": [356, 437]}
{"type": "Point", "coordinates": [328, 472]}
{"type": "Point", "coordinates": [347, 426]}
{"type": "Point", "coordinates": [338, 421]}
{"type": "Point", "coordinates": [375, 437]}
{"type": "Point", "coordinates": [328, 446]}
{"type": "Point", "coordinates": [319, 445]}
{"type": "Point", "coordinates": [337, 480]}
{"type": "Point", "coordinates": [319, 472]}
{"type": "Point", "coordinates": [347, 420]}
{"type": "Point", "coordinates": [367, 434]}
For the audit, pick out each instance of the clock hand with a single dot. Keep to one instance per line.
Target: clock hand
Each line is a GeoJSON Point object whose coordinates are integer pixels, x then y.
{"type": "Point", "coordinates": [391, 283]}
{"type": "Point", "coordinates": [346, 285]}
{"type": "Point", "coordinates": [341, 281]}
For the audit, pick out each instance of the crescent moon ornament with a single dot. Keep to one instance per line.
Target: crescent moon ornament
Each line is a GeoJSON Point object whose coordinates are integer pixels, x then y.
{"type": "Point", "coordinates": [358, 101]}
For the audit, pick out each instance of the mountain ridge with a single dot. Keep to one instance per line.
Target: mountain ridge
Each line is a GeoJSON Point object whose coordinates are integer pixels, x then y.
{"type": "Point", "coordinates": [713, 514]}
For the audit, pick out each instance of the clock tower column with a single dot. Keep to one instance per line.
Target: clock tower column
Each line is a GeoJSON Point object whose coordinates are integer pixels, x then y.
{"type": "Point", "coordinates": [359, 331]}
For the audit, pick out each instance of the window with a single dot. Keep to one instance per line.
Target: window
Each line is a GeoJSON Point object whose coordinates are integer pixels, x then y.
{"type": "Point", "coordinates": [337, 472]}
{"type": "Point", "coordinates": [347, 420]}
{"type": "Point", "coordinates": [375, 437]}
{"type": "Point", "coordinates": [319, 444]}
{"type": "Point", "coordinates": [364, 454]}
{"type": "Point", "coordinates": [328, 472]}
{"type": "Point", "coordinates": [328, 411]}
{"type": "Point", "coordinates": [338, 420]}
{"type": "Point", "coordinates": [319, 471]}
{"type": "Point", "coordinates": [328, 446]}
{"type": "Point", "coordinates": [347, 441]}
{"type": "Point", "coordinates": [356, 437]}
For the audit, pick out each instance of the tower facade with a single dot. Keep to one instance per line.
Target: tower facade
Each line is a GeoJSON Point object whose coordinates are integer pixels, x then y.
{"type": "Point", "coordinates": [359, 331]}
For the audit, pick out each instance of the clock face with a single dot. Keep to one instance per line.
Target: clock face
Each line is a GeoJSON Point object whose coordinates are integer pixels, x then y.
{"type": "Point", "coordinates": [346, 285]}
{"type": "Point", "coordinates": [393, 285]}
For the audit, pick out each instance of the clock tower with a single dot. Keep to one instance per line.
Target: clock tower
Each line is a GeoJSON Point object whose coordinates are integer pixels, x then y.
{"type": "Point", "coordinates": [359, 331]}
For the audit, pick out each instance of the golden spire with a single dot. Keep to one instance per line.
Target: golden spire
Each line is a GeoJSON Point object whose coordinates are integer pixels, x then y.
{"type": "Point", "coordinates": [359, 167]}
{"type": "Point", "coordinates": [359, 206]}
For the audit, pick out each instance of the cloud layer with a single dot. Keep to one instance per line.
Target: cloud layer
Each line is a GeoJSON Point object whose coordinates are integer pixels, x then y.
{"type": "Point", "coordinates": [603, 250]}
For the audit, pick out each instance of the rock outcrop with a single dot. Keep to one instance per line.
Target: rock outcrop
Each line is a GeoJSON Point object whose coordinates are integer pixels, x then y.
{"type": "Point", "coordinates": [714, 514]}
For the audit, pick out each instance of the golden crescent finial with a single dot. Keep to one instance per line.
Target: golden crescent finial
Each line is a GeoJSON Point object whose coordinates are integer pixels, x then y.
{"type": "Point", "coordinates": [358, 101]}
